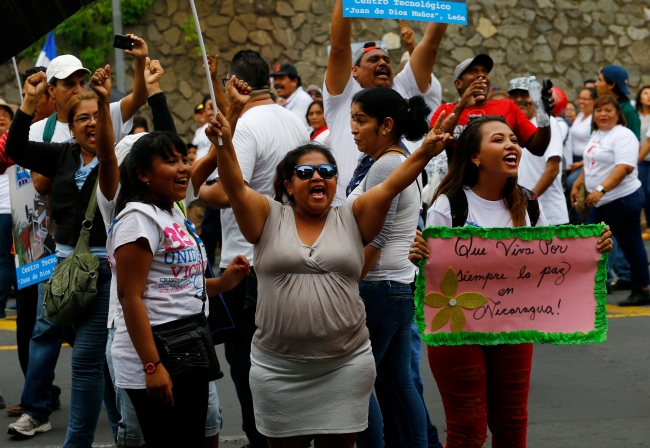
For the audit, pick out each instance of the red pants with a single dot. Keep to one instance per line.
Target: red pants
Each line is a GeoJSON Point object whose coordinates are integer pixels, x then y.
{"type": "Point", "coordinates": [484, 386]}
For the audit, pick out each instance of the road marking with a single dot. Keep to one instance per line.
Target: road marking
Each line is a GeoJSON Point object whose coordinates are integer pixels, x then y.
{"type": "Point", "coordinates": [9, 324]}
{"type": "Point", "coordinates": [15, 347]}
{"type": "Point", "coordinates": [615, 311]}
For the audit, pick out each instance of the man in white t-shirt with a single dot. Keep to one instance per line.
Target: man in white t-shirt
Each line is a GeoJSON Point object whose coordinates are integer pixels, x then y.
{"type": "Point", "coordinates": [66, 77]}
{"type": "Point", "coordinates": [370, 68]}
{"type": "Point", "coordinates": [543, 175]}
{"type": "Point", "coordinates": [265, 132]}
{"type": "Point", "coordinates": [288, 84]}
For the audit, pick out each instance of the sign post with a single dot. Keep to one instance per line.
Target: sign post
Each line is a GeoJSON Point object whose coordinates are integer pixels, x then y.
{"type": "Point", "coordinates": [512, 285]}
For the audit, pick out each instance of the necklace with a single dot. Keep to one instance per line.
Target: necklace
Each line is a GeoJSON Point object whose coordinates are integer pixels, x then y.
{"type": "Point", "coordinates": [392, 150]}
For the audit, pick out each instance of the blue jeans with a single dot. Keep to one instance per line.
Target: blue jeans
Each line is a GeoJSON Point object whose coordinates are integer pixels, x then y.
{"type": "Point", "coordinates": [88, 359]}
{"type": "Point", "coordinates": [389, 315]}
{"type": "Point", "coordinates": [242, 302]}
{"type": "Point", "coordinates": [617, 263]}
{"type": "Point", "coordinates": [624, 218]}
{"type": "Point", "coordinates": [7, 267]}
{"type": "Point", "coordinates": [644, 177]}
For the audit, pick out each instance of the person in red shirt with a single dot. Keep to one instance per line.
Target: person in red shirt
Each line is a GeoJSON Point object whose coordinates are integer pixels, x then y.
{"type": "Point", "coordinates": [472, 80]}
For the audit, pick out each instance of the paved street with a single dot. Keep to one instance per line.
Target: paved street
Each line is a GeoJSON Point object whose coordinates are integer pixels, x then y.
{"type": "Point", "coordinates": [581, 396]}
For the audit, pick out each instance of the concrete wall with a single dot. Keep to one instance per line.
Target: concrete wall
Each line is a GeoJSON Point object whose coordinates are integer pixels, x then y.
{"type": "Point", "coordinates": [565, 40]}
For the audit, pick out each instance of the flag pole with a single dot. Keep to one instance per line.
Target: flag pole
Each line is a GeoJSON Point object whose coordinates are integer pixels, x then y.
{"type": "Point", "coordinates": [205, 60]}
{"type": "Point", "coordinates": [20, 87]}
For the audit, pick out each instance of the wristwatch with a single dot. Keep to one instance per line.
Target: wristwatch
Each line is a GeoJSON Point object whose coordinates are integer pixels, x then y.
{"type": "Point", "coordinates": [601, 189]}
{"type": "Point", "coordinates": [150, 367]}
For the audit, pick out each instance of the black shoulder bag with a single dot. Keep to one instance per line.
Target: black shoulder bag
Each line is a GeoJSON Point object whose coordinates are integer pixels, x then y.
{"type": "Point", "coordinates": [185, 345]}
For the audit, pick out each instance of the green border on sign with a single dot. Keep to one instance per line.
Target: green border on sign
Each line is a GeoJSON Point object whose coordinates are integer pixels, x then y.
{"type": "Point", "coordinates": [599, 334]}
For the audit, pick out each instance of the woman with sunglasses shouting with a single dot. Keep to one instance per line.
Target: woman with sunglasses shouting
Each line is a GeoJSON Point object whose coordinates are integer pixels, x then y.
{"type": "Point", "coordinates": [312, 368]}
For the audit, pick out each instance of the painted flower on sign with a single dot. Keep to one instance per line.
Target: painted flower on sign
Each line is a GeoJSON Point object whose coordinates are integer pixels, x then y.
{"type": "Point", "coordinates": [451, 304]}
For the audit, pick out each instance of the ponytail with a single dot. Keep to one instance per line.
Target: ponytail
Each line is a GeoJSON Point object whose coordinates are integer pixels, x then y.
{"type": "Point", "coordinates": [409, 115]}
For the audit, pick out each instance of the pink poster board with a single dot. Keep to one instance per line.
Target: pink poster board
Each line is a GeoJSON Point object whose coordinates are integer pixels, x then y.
{"type": "Point", "coordinates": [494, 286]}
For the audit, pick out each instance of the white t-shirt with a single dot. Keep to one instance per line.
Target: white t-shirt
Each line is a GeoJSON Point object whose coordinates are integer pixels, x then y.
{"type": "Point", "coordinates": [579, 135]}
{"type": "Point", "coordinates": [5, 203]}
{"type": "Point", "coordinates": [264, 135]}
{"type": "Point", "coordinates": [605, 150]}
{"type": "Point", "coordinates": [531, 169]}
{"type": "Point", "coordinates": [323, 138]}
{"type": "Point", "coordinates": [337, 117]}
{"type": "Point", "coordinates": [298, 103]}
{"type": "Point", "coordinates": [174, 283]}
{"type": "Point", "coordinates": [62, 131]}
{"type": "Point", "coordinates": [202, 142]}
{"type": "Point", "coordinates": [481, 213]}
{"type": "Point", "coordinates": [107, 209]}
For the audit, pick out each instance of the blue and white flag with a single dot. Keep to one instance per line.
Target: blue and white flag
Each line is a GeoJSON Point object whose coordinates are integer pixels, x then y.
{"type": "Point", "coordinates": [48, 52]}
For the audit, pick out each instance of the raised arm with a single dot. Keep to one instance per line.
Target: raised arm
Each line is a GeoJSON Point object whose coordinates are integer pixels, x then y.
{"type": "Point", "coordinates": [222, 100]}
{"type": "Point", "coordinates": [538, 143]}
{"type": "Point", "coordinates": [109, 174]}
{"type": "Point", "coordinates": [408, 36]}
{"type": "Point", "coordinates": [161, 115]}
{"type": "Point", "coordinates": [340, 59]}
{"type": "Point", "coordinates": [136, 99]}
{"type": "Point", "coordinates": [39, 157]}
{"type": "Point", "coordinates": [424, 55]}
{"type": "Point", "coordinates": [250, 208]}
{"type": "Point", "coordinates": [370, 209]}
{"type": "Point", "coordinates": [239, 92]}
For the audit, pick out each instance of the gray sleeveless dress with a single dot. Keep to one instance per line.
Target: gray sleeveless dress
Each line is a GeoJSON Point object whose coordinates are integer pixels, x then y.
{"type": "Point", "coordinates": [312, 369]}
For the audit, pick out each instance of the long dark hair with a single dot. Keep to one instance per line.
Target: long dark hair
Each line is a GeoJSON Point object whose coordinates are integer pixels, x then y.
{"type": "Point", "coordinates": [285, 168]}
{"type": "Point", "coordinates": [463, 172]}
{"type": "Point", "coordinates": [132, 189]}
{"type": "Point", "coordinates": [638, 105]}
{"type": "Point", "coordinates": [410, 116]}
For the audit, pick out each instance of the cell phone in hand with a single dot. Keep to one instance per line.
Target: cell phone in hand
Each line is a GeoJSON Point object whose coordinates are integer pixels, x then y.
{"type": "Point", "coordinates": [123, 42]}
{"type": "Point", "coordinates": [547, 84]}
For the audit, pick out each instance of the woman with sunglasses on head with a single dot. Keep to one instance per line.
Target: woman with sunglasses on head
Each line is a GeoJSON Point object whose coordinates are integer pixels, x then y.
{"type": "Point", "coordinates": [312, 369]}
{"type": "Point", "coordinates": [484, 386]}
{"type": "Point", "coordinates": [74, 168]}
{"type": "Point", "coordinates": [380, 118]}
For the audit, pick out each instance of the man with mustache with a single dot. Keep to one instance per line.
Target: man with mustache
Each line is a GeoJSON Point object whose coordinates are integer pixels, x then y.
{"type": "Point", "coordinates": [288, 84]}
{"type": "Point", "coordinates": [542, 175]}
{"type": "Point", "coordinates": [370, 68]}
{"type": "Point", "coordinates": [472, 80]}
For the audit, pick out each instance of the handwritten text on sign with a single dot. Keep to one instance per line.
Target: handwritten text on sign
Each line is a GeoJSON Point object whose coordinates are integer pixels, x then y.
{"type": "Point", "coordinates": [418, 10]}
{"type": "Point", "coordinates": [494, 286]}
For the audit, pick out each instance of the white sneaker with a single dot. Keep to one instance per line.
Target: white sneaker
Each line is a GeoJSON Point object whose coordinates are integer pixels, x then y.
{"type": "Point", "coordinates": [28, 426]}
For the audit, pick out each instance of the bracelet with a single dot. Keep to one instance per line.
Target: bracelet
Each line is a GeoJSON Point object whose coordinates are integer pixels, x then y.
{"type": "Point", "coordinates": [150, 367]}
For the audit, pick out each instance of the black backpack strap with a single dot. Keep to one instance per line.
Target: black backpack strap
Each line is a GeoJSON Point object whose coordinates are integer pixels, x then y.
{"type": "Point", "coordinates": [459, 208]}
{"type": "Point", "coordinates": [533, 205]}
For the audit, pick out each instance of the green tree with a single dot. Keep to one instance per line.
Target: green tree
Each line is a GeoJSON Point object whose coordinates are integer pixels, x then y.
{"type": "Point", "coordinates": [89, 33]}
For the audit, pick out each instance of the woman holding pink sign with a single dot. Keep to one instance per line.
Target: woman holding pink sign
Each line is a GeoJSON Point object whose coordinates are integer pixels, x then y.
{"type": "Point", "coordinates": [485, 386]}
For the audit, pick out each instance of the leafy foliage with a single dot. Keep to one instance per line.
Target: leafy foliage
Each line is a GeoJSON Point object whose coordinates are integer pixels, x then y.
{"type": "Point", "coordinates": [89, 33]}
{"type": "Point", "coordinates": [189, 29]}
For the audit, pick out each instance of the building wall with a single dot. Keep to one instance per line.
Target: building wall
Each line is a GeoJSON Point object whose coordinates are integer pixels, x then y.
{"type": "Point", "coordinates": [564, 40]}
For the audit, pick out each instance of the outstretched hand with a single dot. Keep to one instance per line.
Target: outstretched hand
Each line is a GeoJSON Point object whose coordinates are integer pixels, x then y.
{"type": "Point", "coordinates": [34, 87]}
{"type": "Point", "coordinates": [435, 140]}
{"type": "Point", "coordinates": [153, 73]}
{"type": "Point", "coordinates": [102, 84]}
{"type": "Point", "coordinates": [140, 48]}
{"type": "Point", "coordinates": [219, 127]}
{"type": "Point", "coordinates": [213, 65]}
{"type": "Point", "coordinates": [238, 90]}
{"type": "Point", "coordinates": [408, 36]}
{"type": "Point", "coordinates": [238, 268]}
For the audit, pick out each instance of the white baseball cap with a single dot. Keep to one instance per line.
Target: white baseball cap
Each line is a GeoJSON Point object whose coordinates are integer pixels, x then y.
{"type": "Point", "coordinates": [63, 66]}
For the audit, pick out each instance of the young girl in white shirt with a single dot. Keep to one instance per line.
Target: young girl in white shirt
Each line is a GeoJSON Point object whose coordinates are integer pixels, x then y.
{"type": "Point", "coordinates": [159, 264]}
{"type": "Point", "coordinates": [484, 385]}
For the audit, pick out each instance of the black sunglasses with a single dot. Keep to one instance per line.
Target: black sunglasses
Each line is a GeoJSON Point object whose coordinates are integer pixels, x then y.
{"type": "Point", "coordinates": [326, 171]}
